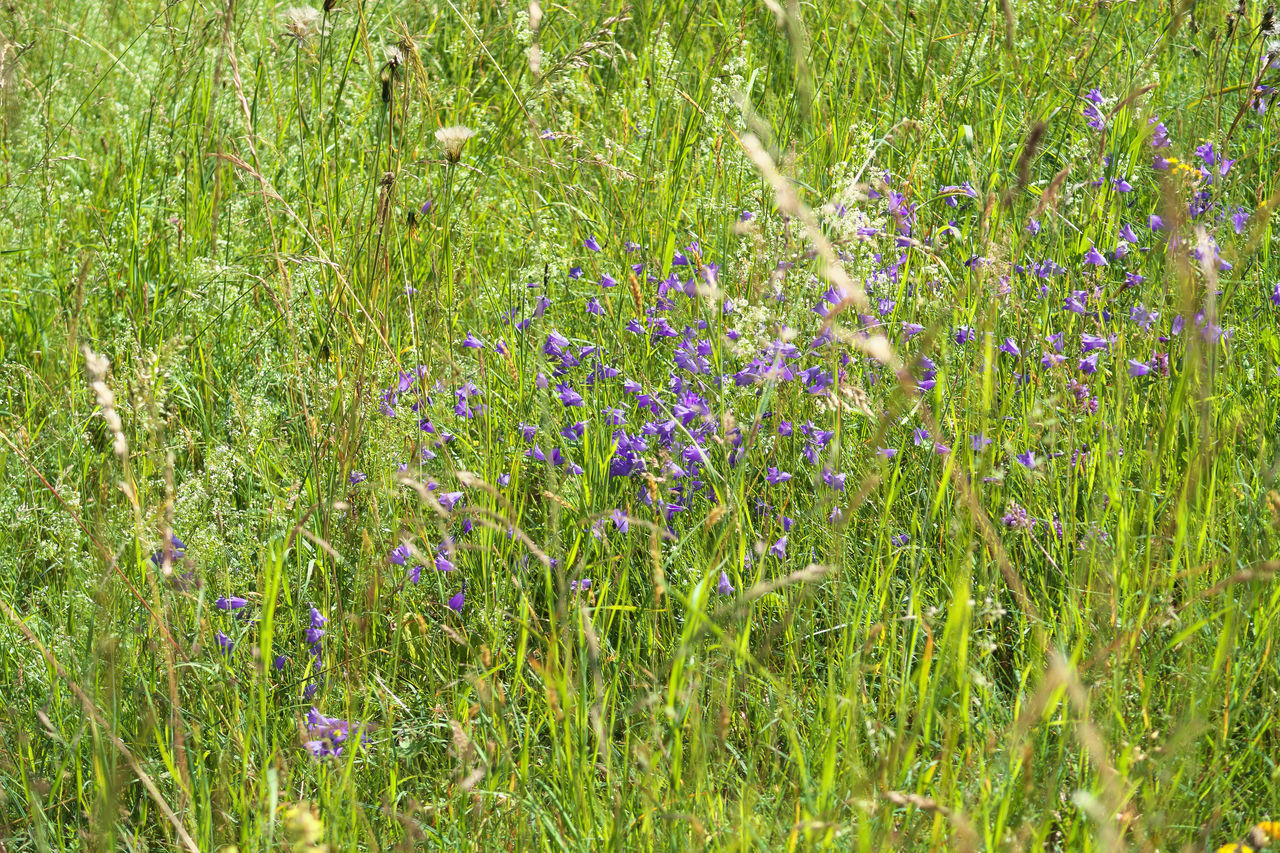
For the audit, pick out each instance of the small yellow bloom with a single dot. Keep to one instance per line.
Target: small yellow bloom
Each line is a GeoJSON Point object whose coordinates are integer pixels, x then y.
{"type": "Point", "coordinates": [1235, 848]}
{"type": "Point", "coordinates": [1270, 829]}
{"type": "Point", "coordinates": [1264, 834]}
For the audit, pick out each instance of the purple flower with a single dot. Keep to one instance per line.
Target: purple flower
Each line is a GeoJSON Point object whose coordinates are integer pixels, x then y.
{"type": "Point", "coordinates": [173, 553]}
{"type": "Point", "coordinates": [232, 603]}
{"type": "Point", "coordinates": [1095, 119]}
{"type": "Point", "coordinates": [568, 397]}
{"type": "Point", "coordinates": [1155, 223]}
{"type": "Point", "coordinates": [225, 643]}
{"type": "Point", "coordinates": [581, 585]}
{"type": "Point", "coordinates": [355, 478]}
{"type": "Point", "coordinates": [774, 476]}
{"type": "Point", "coordinates": [328, 735]}
{"type": "Point", "coordinates": [1089, 343]}
{"type": "Point", "coordinates": [1089, 364]}
{"type": "Point", "coordinates": [1206, 153]}
{"type": "Point", "coordinates": [888, 452]}
{"type": "Point", "coordinates": [900, 540]}
{"type": "Point", "coordinates": [1144, 318]}
{"type": "Point", "coordinates": [779, 548]}
{"type": "Point", "coordinates": [472, 342]}
{"type": "Point", "coordinates": [1010, 346]}
{"type": "Point", "coordinates": [978, 442]}
{"type": "Point", "coordinates": [964, 334]}
{"type": "Point", "coordinates": [1239, 219]}
{"type": "Point", "coordinates": [415, 574]}
{"type": "Point", "coordinates": [724, 587]}
{"type": "Point", "coordinates": [399, 555]}
{"type": "Point", "coordinates": [591, 244]}
{"type": "Point", "coordinates": [449, 500]}
{"type": "Point", "coordinates": [1160, 135]}
{"type": "Point", "coordinates": [1094, 258]}
{"type": "Point", "coordinates": [624, 463]}
{"type": "Point", "coordinates": [1017, 518]}
{"type": "Point", "coordinates": [459, 598]}
{"type": "Point", "coordinates": [1027, 460]}
{"type": "Point", "coordinates": [607, 280]}
{"type": "Point", "coordinates": [1033, 226]}
{"type": "Point", "coordinates": [620, 520]}
{"type": "Point", "coordinates": [1138, 368]}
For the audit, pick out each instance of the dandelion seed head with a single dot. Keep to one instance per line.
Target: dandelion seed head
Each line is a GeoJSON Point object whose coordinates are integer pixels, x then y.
{"type": "Point", "coordinates": [301, 23]}
{"type": "Point", "coordinates": [452, 138]}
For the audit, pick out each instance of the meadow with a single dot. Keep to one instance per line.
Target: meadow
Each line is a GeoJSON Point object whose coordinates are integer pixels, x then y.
{"type": "Point", "coordinates": [645, 426]}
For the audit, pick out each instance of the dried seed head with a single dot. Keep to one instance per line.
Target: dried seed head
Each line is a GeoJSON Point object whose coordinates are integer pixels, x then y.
{"type": "Point", "coordinates": [302, 22]}
{"type": "Point", "coordinates": [97, 366]}
{"type": "Point", "coordinates": [452, 139]}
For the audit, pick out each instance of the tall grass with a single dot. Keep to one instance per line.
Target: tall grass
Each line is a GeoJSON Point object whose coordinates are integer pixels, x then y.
{"type": "Point", "coordinates": [244, 209]}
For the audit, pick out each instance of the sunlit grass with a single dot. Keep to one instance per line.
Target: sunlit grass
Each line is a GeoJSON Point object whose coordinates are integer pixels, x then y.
{"type": "Point", "coordinates": [1002, 601]}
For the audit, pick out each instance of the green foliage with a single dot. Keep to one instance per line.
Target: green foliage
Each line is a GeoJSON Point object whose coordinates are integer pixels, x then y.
{"type": "Point", "coordinates": [226, 202]}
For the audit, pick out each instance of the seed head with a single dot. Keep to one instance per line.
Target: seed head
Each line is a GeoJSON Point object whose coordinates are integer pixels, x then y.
{"type": "Point", "coordinates": [452, 139]}
{"type": "Point", "coordinates": [302, 22]}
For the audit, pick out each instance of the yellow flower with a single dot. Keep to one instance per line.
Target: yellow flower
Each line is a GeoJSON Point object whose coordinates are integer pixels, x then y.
{"type": "Point", "coordinates": [1235, 848]}
{"type": "Point", "coordinates": [1264, 834]}
{"type": "Point", "coordinates": [1270, 829]}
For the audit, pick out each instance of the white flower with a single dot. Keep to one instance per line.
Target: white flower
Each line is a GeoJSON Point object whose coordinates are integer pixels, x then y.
{"type": "Point", "coordinates": [452, 139]}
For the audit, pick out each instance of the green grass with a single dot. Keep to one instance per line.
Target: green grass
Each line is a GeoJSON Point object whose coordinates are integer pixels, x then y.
{"type": "Point", "coordinates": [232, 217]}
